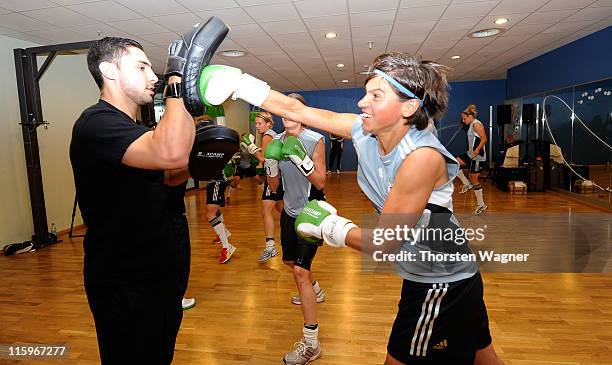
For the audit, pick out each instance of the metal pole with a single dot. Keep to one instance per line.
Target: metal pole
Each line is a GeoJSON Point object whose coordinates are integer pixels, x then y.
{"type": "Point", "coordinates": [490, 136]}
{"type": "Point", "coordinates": [31, 116]}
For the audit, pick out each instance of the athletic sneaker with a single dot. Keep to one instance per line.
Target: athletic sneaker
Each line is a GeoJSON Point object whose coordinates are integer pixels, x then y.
{"type": "Point", "coordinates": [320, 297]}
{"type": "Point", "coordinates": [328, 172]}
{"type": "Point", "coordinates": [337, 172]}
{"type": "Point", "coordinates": [267, 254]}
{"type": "Point", "coordinates": [188, 303]}
{"type": "Point", "coordinates": [466, 188]}
{"type": "Point", "coordinates": [217, 240]}
{"type": "Point", "coordinates": [226, 254]}
{"type": "Point", "coordinates": [480, 209]}
{"type": "Point", "coordinates": [303, 353]}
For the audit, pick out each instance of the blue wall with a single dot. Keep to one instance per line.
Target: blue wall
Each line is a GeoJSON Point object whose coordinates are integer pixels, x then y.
{"type": "Point", "coordinates": [584, 60]}
{"type": "Point", "coordinates": [481, 93]}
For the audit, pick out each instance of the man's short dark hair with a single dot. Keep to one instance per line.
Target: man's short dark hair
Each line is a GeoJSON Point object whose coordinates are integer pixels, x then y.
{"type": "Point", "coordinates": [107, 49]}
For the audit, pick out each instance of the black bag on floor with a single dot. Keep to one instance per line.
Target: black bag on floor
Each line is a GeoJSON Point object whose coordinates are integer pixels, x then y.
{"type": "Point", "coordinates": [556, 175]}
{"type": "Point", "coordinates": [536, 176]}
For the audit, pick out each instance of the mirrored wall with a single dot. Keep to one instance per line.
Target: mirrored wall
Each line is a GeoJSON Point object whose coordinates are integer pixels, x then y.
{"type": "Point", "coordinates": [583, 136]}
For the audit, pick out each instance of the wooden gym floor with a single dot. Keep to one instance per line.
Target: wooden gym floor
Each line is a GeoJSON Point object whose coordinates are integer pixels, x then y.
{"type": "Point", "coordinates": [244, 314]}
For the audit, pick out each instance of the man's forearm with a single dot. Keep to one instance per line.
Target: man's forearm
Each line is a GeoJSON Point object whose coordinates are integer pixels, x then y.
{"type": "Point", "coordinates": [176, 130]}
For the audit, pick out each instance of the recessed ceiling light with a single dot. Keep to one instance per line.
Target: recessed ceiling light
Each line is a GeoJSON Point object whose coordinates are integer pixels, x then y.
{"type": "Point", "coordinates": [340, 65]}
{"type": "Point", "coordinates": [455, 57]}
{"type": "Point", "coordinates": [331, 35]}
{"type": "Point", "coordinates": [233, 53]}
{"type": "Point", "coordinates": [483, 33]}
{"type": "Point", "coordinates": [345, 81]}
{"type": "Point", "coordinates": [501, 21]}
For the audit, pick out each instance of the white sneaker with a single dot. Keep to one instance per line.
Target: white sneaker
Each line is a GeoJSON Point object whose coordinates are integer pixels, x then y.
{"type": "Point", "coordinates": [267, 254]}
{"type": "Point", "coordinates": [480, 209]}
{"type": "Point", "coordinates": [466, 188]}
{"type": "Point", "coordinates": [320, 297]}
{"type": "Point", "coordinates": [188, 303]}
{"type": "Point", "coordinates": [303, 353]}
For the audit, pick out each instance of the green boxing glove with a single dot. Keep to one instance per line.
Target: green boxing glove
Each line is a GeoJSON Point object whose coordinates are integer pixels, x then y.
{"type": "Point", "coordinates": [318, 220]}
{"type": "Point", "coordinates": [228, 170]}
{"type": "Point", "coordinates": [274, 150]}
{"type": "Point", "coordinates": [248, 141]}
{"type": "Point", "coordinates": [296, 152]}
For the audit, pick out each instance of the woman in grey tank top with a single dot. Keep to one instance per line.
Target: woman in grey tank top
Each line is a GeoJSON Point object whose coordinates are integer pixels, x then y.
{"type": "Point", "coordinates": [407, 175]}
{"type": "Point", "coordinates": [270, 199]}
{"type": "Point", "coordinates": [475, 157]}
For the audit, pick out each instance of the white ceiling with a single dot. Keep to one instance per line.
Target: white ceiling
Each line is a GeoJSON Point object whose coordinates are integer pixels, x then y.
{"type": "Point", "coordinates": [285, 39]}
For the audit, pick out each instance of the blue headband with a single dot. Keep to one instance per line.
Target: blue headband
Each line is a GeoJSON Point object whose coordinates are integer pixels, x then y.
{"type": "Point", "coordinates": [397, 85]}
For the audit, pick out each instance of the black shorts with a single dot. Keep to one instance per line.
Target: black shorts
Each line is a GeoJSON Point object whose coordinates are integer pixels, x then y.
{"type": "Point", "coordinates": [271, 195]}
{"type": "Point", "coordinates": [316, 194]}
{"type": "Point", "coordinates": [241, 172]}
{"type": "Point", "coordinates": [295, 249]}
{"type": "Point", "coordinates": [215, 192]}
{"type": "Point", "coordinates": [443, 323]}
{"type": "Point", "coordinates": [475, 166]}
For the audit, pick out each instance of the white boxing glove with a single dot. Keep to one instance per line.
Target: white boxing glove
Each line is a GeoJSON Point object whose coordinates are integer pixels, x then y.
{"type": "Point", "coordinates": [219, 82]}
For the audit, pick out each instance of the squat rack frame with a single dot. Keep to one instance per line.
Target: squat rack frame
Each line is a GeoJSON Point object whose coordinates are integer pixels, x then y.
{"type": "Point", "coordinates": [28, 88]}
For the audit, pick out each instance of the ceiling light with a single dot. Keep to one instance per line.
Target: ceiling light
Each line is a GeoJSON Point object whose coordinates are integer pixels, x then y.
{"type": "Point", "coordinates": [501, 21]}
{"type": "Point", "coordinates": [345, 81]}
{"type": "Point", "coordinates": [340, 65]}
{"type": "Point", "coordinates": [331, 35]}
{"type": "Point", "coordinates": [455, 57]}
{"type": "Point", "coordinates": [233, 53]}
{"type": "Point", "coordinates": [483, 33]}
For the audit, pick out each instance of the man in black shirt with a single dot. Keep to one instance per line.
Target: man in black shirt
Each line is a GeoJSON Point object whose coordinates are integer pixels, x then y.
{"type": "Point", "coordinates": [119, 169]}
{"type": "Point", "coordinates": [335, 153]}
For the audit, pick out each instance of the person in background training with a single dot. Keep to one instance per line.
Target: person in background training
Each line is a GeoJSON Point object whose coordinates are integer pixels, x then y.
{"type": "Point", "coordinates": [475, 157]}
{"type": "Point", "coordinates": [298, 155]}
{"type": "Point", "coordinates": [335, 153]}
{"type": "Point", "coordinates": [215, 200]}
{"type": "Point", "coordinates": [408, 175]}
{"type": "Point", "coordinates": [270, 199]}
{"type": "Point", "coordinates": [130, 274]}
{"type": "Point", "coordinates": [246, 167]}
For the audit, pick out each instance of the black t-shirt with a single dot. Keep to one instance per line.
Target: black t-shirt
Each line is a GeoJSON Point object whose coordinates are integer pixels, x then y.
{"type": "Point", "coordinates": [176, 199]}
{"type": "Point", "coordinates": [129, 237]}
{"type": "Point", "coordinates": [336, 141]}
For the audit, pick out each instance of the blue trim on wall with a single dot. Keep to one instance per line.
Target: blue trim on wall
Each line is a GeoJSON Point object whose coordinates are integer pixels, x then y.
{"type": "Point", "coordinates": [584, 60]}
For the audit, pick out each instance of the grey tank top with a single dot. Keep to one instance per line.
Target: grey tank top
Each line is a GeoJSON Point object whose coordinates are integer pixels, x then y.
{"type": "Point", "coordinates": [376, 175]}
{"type": "Point", "coordinates": [296, 185]}
{"type": "Point", "coordinates": [474, 141]}
{"type": "Point", "coordinates": [270, 132]}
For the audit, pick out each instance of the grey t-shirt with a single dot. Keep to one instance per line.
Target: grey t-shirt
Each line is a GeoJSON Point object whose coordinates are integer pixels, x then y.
{"type": "Point", "coordinates": [295, 184]}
